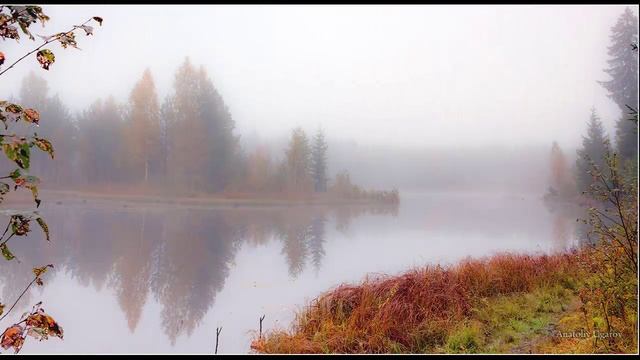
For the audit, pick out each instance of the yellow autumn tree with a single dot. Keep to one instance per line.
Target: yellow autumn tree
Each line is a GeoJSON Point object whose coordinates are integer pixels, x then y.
{"type": "Point", "coordinates": [561, 179]}
{"type": "Point", "coordinates": [142, 133]}
{"type": "Point", "coordinates": [186, 132]}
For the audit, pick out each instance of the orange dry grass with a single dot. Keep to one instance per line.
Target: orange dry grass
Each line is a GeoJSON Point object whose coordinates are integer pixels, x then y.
{"type": "Point", "coordinates": [412, 312]}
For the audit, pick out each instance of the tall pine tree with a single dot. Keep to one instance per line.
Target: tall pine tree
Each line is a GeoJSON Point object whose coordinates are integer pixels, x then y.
{"type": "Point", "coordinates": [100, 141]}
{"type": "Point", "coordinates": [592, 152]}
{"type": "Point", "coordinates": [319, 162]}
{"type": "Point", "coordinates": [623, 85]}
{"type": "Point", "coordinates": [60, 130]}
{"type": "Point", "coordinates": [223, 146]}
{"type": "Point", "coordinates": [298, 162]}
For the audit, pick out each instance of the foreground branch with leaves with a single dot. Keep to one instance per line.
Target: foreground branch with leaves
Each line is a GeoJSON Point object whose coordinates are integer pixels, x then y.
{"type": "Point", "coordinates": [17, 148]}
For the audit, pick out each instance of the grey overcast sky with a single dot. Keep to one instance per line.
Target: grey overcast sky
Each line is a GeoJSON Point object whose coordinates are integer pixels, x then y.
{"type": "Point", "coordinates": [411, 76]}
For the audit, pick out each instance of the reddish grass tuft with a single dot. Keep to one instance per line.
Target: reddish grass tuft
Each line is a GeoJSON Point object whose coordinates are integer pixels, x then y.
{"type": "Point", "coordinates": [412, 312]}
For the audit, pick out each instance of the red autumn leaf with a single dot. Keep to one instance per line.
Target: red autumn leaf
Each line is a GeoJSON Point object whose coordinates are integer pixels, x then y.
{"type": "Point", "coordinates": [13, 337]}
{"type": "Point", "coordinates": [31, 115]}
{"type": "Point", "coordinates": [46, 324]}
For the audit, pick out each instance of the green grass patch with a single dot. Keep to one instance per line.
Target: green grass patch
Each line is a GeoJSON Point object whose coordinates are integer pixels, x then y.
{"type": "Point", "coordinates": [511, 323]}
{"type": "Point", "coordinates": [467, 339]}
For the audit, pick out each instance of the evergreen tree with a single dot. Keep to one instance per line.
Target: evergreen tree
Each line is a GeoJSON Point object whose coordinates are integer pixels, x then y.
{"type": "Point", "coordinates": [60, 130]}
{"type": "Point", "coordinates": [298, 162]}
{"type": "Point", "coordinates": [100, 129]}
{"type": "Point", "coordinates": [319, 162]}
{"type": "Point", "coordinates": [34, 90]}
{"type": "Point", "coordinates": [222, 147]}
{"type": "Point", "coordinates": [623, 85]}
{"type": "Point", "coordinates": [142, 134]}
{"type": "Point", "coordinates": [593, 151]}
{"type": "Point", "coordinates": [64, 132]}
{"type": "Point", "coordinates": [627, 139]}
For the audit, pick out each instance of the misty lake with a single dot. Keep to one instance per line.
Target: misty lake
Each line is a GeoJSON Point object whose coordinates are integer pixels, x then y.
{"type": "Point", "coordinates": [134, 278]}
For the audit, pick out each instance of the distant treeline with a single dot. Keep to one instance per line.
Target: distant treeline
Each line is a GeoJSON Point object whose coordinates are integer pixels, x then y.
{"type": "Point", "coordinates": [185, 145]}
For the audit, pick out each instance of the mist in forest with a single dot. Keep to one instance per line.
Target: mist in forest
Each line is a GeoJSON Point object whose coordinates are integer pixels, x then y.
{"type": "Point", "coordinates": [293, 99]}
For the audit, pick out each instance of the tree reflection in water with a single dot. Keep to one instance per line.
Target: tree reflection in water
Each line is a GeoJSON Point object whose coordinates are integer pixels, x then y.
{"type": "Point", "coordinates": [180, 257]}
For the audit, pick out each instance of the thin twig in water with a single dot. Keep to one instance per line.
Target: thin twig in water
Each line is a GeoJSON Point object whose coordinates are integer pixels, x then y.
{"type": "Point", "coordinates": [261, 319]}
{"type": "Point", "coordinates": [218, 331]}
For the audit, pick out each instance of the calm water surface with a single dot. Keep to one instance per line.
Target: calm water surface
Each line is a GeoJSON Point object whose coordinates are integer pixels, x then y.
{"type": "Point", "coordinates": [160, 279]}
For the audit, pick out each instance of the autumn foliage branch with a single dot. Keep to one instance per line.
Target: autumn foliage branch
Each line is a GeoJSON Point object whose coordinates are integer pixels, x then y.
{"type": "Point", "coordinates": [17, 149]}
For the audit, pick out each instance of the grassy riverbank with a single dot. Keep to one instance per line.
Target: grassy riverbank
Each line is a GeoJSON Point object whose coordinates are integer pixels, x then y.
{"type": "Point", "coordinates": [503, 304]}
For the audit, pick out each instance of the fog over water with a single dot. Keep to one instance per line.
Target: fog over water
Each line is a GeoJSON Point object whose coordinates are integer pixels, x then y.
{"type": "Point", "coordinates": [192, 185]}
{"type": "Point", "coordinates": [162, 279]}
